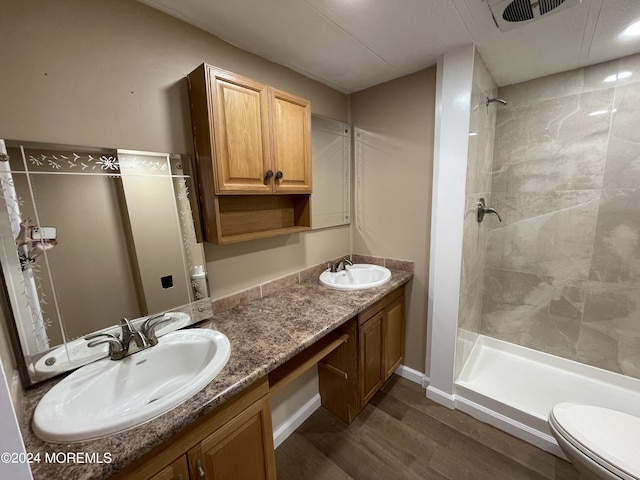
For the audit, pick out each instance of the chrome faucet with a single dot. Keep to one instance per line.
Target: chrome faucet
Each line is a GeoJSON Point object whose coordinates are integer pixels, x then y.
{"type": "Point", "coordinates": [119, 347]}
{"type": "Point", "coordinates": [129, 333]}
{"type": "Point", "coordinates": [342, 264]}
{"type": "Point", "coordinates": [149, 327]}
{"type": "Point", "coordinates": [335, 267]}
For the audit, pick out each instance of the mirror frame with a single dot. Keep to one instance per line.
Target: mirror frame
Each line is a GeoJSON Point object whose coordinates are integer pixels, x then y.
{"type": "Point", "coordinates": [343, 177]}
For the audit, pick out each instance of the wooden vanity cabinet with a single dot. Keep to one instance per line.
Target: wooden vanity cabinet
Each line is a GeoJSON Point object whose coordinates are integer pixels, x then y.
{"type": "Point", "coordinates": [371, 371]}
{"type": "Point", "coordinates": [393, 333]}
{"type": "Point", "coordinates": [351, 375]}
{"type": "Point", "coordinates": [178, 470]}
{"type": "Point", "coordinates": [233, 442]}
{"type": "Point", "coordinates": [253, 156]}
{"type": "Point", "coordinates": [241, 449]}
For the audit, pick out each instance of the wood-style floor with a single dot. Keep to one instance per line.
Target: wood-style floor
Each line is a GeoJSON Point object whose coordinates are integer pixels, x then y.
{"type": "Point", "coordinates": [403, 435]}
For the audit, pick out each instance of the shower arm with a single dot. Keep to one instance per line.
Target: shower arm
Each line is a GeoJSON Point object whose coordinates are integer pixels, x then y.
{"type": "Point", "coordinates": [497, 100]}
{"type": "Point", "coordinates": [482, 210]}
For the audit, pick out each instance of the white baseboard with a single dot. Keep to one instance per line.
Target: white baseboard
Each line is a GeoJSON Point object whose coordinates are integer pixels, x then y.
{"type": "Point", "coordinates": [413, 375]}
{"type": "Point", "coordinates": [282, 432]}
{"type": "Point", "coordinates": [509, 425]}
{"type": "Point", "coordinates": [441, 397]}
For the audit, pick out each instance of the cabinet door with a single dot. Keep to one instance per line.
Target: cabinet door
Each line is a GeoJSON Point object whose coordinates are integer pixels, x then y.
{"type": "Point", "coordinates": [241, 449]}
{"type": "Point", "coordinates": [241, 134]}
{"type": "Point", "coordinates": [178, 470]}
{"type": "Point", "coordinates": [393, 335]}
{"type": "Point", "coordinates": [291, 137]}
{"type": "Point", "coordinates": [371, 357]}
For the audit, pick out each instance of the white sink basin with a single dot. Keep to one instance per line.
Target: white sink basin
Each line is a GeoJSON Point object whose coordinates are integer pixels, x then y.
{"type": "Point", "coordinates": [58, 361]}
{"type": "Point", "coordinates": [356, 277]}
{"type": "Point", "coordinates": [110, 396]}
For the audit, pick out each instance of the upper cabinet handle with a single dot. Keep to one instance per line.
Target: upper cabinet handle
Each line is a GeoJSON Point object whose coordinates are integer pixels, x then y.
{"type": "Point", "coordinates": [269, 174]}
{"type": "Point", "coordinates": [279, 175]}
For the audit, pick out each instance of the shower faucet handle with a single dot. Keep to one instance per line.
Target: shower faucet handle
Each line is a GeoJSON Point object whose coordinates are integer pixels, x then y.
{"type": "Point", "coordinates": [482, 210]}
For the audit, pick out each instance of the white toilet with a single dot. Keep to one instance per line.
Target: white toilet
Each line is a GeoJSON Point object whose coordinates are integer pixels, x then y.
{"type": "Point", "coordinates": [601, 443]}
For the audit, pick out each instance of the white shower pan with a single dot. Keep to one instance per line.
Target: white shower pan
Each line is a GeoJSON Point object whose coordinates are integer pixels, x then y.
{"type": "Point", "coordinates": [514, 389]}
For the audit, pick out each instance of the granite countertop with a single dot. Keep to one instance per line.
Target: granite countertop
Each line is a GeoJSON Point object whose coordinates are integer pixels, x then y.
{"type": "Point", "coordinates": [264, 334]}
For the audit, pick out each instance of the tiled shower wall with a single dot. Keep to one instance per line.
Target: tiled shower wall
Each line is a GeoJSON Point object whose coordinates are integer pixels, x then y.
{"type": "Point", "coordinates": [563, 269]}
{"type": "Point", "coordinates": [479, 159]}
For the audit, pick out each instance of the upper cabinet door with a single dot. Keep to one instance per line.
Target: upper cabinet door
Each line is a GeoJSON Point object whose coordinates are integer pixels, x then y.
{"type": "Point", "coordinates": [291, 138]}
{"type": "Point", "coordinates": [241, 134]}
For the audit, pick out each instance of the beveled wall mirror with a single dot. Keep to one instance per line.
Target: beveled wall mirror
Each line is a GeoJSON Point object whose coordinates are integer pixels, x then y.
{"type": "Point", "coordinates": [89, 236]}
{"type": "Point", "coordinates": [331, 153]}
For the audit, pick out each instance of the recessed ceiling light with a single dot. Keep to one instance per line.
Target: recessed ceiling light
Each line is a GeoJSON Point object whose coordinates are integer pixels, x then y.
{"type": "Point", "coordinates": [473, 134]}
{"type": "Point", "coordinates": [617, 76]}
{"type": "Point", "coordinates": [632, 30]}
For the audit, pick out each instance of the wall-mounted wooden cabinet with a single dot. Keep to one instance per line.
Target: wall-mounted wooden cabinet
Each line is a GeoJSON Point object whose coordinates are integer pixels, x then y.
{"type": "Point", "coordinates": [352, 374]}
{"type": "Point", "coordinates": [252, 143]}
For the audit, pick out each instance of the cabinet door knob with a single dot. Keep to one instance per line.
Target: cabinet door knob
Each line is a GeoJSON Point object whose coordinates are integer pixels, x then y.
{"type": "Point", "coordinates": [201, 473]}
{"type": "Point", "coordinates": [279, 175]}
{"type": "Point", "coordinates": [269, 174]}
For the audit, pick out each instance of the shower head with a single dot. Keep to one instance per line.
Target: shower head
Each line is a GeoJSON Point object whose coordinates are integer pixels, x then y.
{"type": "Point", "coordinates": [499, 100]}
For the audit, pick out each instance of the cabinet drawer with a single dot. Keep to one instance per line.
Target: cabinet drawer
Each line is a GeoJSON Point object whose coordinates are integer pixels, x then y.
{"type": "Point", "coordinates": [379, 306]}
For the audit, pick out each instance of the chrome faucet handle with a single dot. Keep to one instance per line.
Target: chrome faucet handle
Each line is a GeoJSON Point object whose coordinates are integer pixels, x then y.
{"type": "Point", "coordinates": [344, 262]}
{"type": "Point", "coordinates": [104, 334]}
{"type": "Point", "coordinates": [116, 349]}
{"type": "Point", "coordinates": [150, 325]}
{"type": "Point", "coordinates": [482, 209]}
{"type": "Point", "coordinates": [153, 317]}
{"type": "Point", "coordinates": [332, 266]}
{"type": "Point", "coordinates": [492, 210]}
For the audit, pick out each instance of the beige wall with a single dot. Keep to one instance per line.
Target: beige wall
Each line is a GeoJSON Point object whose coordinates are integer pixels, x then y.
{"type": "Point", "coordinates": [393, 127]}
{"type": "Point", "coordinates": [112, 73]}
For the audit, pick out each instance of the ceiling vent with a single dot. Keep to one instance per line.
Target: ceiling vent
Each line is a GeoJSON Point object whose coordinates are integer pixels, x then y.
{"type": "Point", "coordinates": [509, 14]}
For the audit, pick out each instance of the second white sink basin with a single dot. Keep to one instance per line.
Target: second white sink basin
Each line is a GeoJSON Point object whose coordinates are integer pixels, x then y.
{"type": "Point", "coordinates": [356, 277]}
{"type": "Point", "coordinates": [110, 396]}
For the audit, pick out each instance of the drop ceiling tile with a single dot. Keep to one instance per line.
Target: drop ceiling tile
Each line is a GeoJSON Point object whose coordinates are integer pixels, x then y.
{"type": "Point", "coordinates": [539, 48]}
{"type": "Point", "coordinates": [607, 42]}
{"type": "Point", "coordinates": [406, 33]}
{"type": "Point", "coordinates": [289, 33]}
{"type": "Point", "coordinates": [354, 44]}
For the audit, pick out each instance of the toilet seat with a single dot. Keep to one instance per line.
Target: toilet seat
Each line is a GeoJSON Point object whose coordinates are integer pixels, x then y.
{"type": "Point", "coordinates": [608, 437]}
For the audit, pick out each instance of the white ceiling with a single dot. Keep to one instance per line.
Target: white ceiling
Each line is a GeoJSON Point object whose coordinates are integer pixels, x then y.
{"type": "Point", "coordinates": [354, 44]}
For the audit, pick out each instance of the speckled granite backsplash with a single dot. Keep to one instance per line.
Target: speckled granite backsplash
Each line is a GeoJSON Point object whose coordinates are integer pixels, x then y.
{"type": "Point", "coordinates": [264, 333]}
